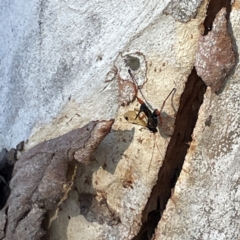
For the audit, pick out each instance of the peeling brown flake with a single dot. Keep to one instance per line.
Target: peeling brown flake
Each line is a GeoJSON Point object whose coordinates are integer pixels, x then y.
{"type": "Point", "coordinates": [215, 57]}
{"type": "Point", "coordinates": [137, 63]}
{"type": "Point", "coordinates": [41, 179]}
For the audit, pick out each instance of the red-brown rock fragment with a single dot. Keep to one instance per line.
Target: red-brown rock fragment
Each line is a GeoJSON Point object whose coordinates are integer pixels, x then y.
{"type": "Point", "coordinates": [126, 91]}
{"type": "Point", "coordinates": [40, 177]}
{"type": "Point", "coordinates": [215, 57]}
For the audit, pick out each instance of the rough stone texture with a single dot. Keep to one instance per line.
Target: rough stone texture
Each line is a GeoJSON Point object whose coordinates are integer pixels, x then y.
{"type": "Point", "coordinates": [60, 58]}
{"type": "Point", "coordinates": [2, 224]}
{"type": "Point", "coordinates": [135, 62]}
{"type": "Point", "coordinates": [205, 202]}
{"type": "Point", "coordinates": [65, 64]}
{"type": "Point", "coordinates": [54, 55]}
{"type": "Point", "coordinates": [183, 10]}
{"type": "Point", "coordinates": [126, 163]}
{"type": "Point", "coordinates": [12, 156]}
{"type": "Point", "coordinates": [43, 175]}
{"type": "Point", "coordinates": [215, 57]}
{"type": "Point", "coordinates": [186, 117]}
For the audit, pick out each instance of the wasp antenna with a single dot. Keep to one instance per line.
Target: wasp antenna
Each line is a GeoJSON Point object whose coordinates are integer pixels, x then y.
{"type": "Point", "coordinates": [130, 73]}
{"type": "Point", "coordinates": [154, 145]}
{"type": "Point", "coordinates": [134, 80]}
{"type": "Point", "coordinates": [135, 87]}
{"type": "Point", "coordinates": [158, 149]}
{"type": "Point", "coordinates": [173, 90]}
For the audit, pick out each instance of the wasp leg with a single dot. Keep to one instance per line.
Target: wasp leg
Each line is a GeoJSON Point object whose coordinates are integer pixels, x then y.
{"type": "Point", "coordinates": [158, 113]}
{"type": "Point", "coordinates": [142, 116]}
{"type": "Point", "coordinates": [135, 88]}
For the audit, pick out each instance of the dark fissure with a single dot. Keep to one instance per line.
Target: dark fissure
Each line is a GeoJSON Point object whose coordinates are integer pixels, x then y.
{"type": "Point", "coordinates": [213, 8]}
{"type": "Point", "coordinates": [190, 102]}
{"type": "Point", "coordinates": [7, 161]}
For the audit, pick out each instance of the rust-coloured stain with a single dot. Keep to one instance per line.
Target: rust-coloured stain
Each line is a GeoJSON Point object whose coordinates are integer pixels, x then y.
{"type": "Point", "coordinates": [215, 57]}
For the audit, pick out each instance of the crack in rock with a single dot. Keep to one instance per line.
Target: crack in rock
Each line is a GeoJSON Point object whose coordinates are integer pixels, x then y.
{"type": "Point", "coordinates": [186, 118]}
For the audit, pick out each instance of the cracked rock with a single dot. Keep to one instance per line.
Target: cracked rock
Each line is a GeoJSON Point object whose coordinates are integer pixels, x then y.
{"type": "Point", "coordinates": [182, 10]}
{"type": "Point", "coordinates": [40, 179]}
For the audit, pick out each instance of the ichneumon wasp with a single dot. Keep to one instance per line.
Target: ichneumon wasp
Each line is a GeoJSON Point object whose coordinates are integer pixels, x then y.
{"type": "Point", "coordinates": [153, 118]}
{"type": "Point", "coordinates": [149, 119]}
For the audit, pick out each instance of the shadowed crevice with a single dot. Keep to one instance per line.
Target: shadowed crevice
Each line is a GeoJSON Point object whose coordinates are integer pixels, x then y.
{"type": "Point", "coordinates": [213, 8]}
{"type": "Point", "coordinates": [187, 115]}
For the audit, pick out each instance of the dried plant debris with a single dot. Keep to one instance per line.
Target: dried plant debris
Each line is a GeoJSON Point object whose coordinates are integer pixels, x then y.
{"type": "Point", "coordinates": [182, 10]}
{"type": "Point", "coordinates": [215, 56]}
{"type": "Point", "coordinates": [41, 179]}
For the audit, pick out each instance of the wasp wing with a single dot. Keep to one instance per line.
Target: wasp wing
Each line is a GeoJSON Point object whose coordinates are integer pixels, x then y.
{"type": "Point", "coordinates": [130, 116]}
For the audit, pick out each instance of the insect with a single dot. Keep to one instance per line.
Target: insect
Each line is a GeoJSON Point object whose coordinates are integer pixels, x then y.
{"type": "Point", "coordinates": [152, 116]}
{"type": "Point", "coordinates": [150, 119]}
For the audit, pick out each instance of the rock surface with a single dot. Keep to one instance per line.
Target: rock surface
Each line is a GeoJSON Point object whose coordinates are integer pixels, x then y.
{"type": "Point", "coordinates": [215, 56]}
{"type": "Point", "coordinates": [70, 61]}
{"type": "Point", "coordinates": [43, 175]}
{"type": "Point", "coordinates": [205, 201]}
{"type": "Point", "coordinates": [183, 10]}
